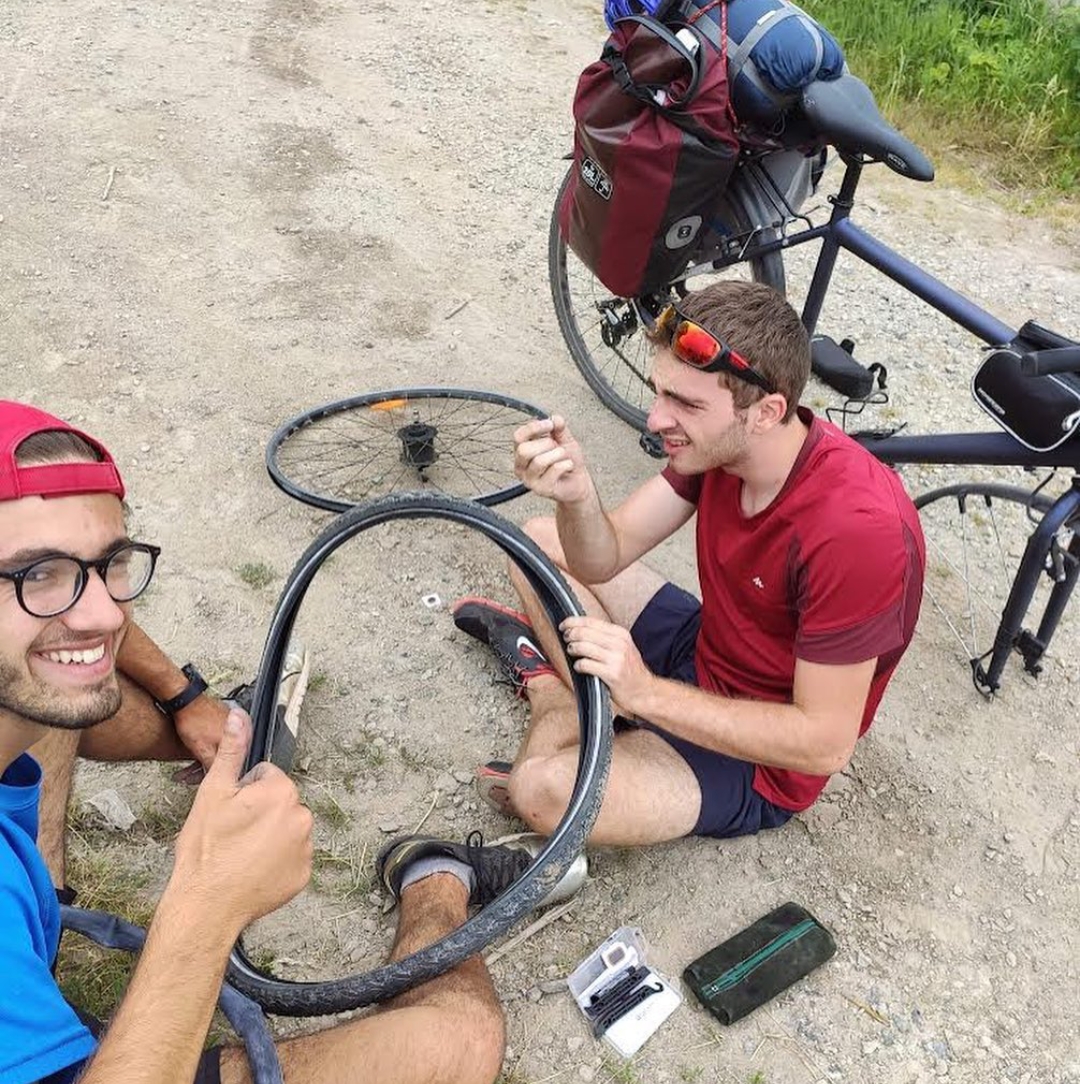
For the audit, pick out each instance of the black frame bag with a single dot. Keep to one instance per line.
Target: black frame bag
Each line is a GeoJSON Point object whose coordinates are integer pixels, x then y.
{"type": "Point", "coordinates": [1041, 412]}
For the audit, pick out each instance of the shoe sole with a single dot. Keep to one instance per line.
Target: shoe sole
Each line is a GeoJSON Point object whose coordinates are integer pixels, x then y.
{"type": "Point", "coordinates": [506, 611]}
{"type": "Point", "coordinates": [568, 885]}
{"type": "Point", "coordinates": [286, 736]}
{"type": "Point", "coordinates": [493, 787]}
{"type": "Point", "coordinates": [296, 696]}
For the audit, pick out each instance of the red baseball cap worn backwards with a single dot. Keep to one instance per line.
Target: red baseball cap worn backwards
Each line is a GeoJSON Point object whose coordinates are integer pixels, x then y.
{"type": "Point", "coordinates": [19, 421]}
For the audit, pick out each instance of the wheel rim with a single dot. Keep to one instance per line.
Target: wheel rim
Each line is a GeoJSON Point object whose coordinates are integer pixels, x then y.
{"type": "Point", "coordinates": [566, 841]}
{"type": "Point", "coordinates": [448, 441]}
{"type": "Point", "coordinates": [607, 330]}
{"type": "Point", "coordinates": [975, 538]}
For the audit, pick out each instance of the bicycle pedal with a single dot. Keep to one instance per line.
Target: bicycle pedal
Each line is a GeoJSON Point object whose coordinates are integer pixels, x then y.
{"type": "Point", "coordinates": [833, 363]}
{"type": "Point", "coordinates": [652, 445]}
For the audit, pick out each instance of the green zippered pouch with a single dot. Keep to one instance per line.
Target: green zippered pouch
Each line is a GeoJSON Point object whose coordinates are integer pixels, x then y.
{"type": "Point", "coordinates": [759, 962]}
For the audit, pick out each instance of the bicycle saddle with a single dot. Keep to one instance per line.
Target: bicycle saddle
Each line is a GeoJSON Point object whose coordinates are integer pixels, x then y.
{"type": "Point", "coordinates": [843, 112]}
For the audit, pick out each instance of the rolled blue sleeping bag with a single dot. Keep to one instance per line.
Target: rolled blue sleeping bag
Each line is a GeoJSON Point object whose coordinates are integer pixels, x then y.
{"type": "Point", "coordinates": [774, 48]}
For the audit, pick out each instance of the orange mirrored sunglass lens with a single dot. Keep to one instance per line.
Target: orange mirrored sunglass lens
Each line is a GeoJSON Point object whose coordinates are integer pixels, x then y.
{"type": "Point", "coordinates": [694, 344]}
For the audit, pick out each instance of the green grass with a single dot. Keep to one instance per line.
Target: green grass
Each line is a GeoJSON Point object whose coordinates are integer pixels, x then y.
{"type": "Point", "coordinates": [619, 1072]}
{"type": "Point", "coordinates": [997, 78]}
{"type": "Point", "coordinates": [344, 870]}
{"type": "Point", "coordinates": [91, 977]}
{"type": "Point", "coordinates": [327, 810]}
{"type": "Point", "coordinates": [257, 574]}
{"type": "Point", "coordinates": [163, 818]}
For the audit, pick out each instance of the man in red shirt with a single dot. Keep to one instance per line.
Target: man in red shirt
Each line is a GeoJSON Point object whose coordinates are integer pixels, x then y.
{"type": "Point", "coordinates": [733, 712]}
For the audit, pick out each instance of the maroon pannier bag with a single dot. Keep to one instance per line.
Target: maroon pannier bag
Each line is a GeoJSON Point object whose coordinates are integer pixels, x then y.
{"type": "Point", "coordinates": [654, 146]}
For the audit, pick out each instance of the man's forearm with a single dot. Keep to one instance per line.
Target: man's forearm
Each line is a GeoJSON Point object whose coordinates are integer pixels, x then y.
{"type": "Point", "coordinates": [590, 545]}
{"type": "Point", "coordinates": [157, 1034]}
{"type": "Point", "coordinates": [778, 735]}
{"type": "Point", "coordinates": [138, 731]}
{"type": "Point", "coordinates": [148, 666]}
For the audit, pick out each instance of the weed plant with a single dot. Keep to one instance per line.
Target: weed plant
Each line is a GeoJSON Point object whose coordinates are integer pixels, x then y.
{"type": "Point", "coordinates": [998, 77]}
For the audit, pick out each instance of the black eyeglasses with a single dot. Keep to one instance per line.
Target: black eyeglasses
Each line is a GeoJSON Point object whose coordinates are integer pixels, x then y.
{"type": "Point", "coordinates": [50, 586]}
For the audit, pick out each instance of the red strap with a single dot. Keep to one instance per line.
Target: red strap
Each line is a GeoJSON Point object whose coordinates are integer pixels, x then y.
{"type": "Point", "coordinates": [722, 4]}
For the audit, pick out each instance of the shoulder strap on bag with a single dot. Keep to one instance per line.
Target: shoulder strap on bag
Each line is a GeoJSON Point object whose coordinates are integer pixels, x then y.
{"type": "Point", "coordinates": [622, 74]}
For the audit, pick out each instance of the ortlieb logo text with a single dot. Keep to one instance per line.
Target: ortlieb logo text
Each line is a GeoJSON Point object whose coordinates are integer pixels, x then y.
{"type": "Point", "coordinates": [596, 178]}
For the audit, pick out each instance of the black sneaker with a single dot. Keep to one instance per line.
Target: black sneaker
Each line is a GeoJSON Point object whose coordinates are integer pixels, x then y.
{"type": "Point", "coordinates": [494, 868]}
{"type": "Point", "coordinates": [508, 633]}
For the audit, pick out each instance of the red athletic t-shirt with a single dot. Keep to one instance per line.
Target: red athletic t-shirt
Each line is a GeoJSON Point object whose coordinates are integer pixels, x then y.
{"type": "Point", "coordinates": [830, 572]}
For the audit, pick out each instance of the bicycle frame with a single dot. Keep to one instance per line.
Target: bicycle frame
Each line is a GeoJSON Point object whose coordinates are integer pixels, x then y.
{"type": "Point", "coordinates": [840, 233]}
{"type": "Point", "coordinates": [974, 449]}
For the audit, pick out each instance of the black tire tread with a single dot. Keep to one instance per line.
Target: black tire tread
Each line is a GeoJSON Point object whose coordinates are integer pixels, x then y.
{"type": "Point", "coordinates": [998, 490]}
{"type": "Point", "coordinates": [338, 995]}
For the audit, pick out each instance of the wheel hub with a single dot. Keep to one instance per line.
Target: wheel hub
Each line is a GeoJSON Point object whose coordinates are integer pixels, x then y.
{"type": "Point", "coordinates": [418, 445]}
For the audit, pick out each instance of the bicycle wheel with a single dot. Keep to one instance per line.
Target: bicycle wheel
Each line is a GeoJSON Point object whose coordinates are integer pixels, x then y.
{"type": "Point", "coordinates": [603, 332]}
{"type": "Point", "coordinates": [451, 441]}
{"type": "Point", "coordinates": [975, 538]}
{"type": "Point", "coordinates": [565, 843]}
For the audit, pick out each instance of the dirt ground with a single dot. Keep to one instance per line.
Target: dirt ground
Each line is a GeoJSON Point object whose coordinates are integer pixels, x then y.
{"type": "Point", "coordinates": [213, 216]}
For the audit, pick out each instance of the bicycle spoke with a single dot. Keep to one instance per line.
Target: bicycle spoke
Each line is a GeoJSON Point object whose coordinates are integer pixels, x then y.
{"type": "Point", "coordinates": [976, 535]}
{"type": "Point", "coordinates": [450, 442]}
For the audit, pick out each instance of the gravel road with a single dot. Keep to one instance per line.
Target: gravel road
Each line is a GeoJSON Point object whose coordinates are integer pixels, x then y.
{"type": "Point", "coordinates": [213, 216]}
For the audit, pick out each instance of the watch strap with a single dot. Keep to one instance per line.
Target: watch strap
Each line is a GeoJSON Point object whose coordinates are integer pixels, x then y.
{"type": "Point", "coordinates": [196, 686]}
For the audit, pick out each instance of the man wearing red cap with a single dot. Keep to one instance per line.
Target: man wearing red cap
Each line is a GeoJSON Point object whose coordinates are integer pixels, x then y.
{"type": "Point", "coordinates": [165, 712]}
{"type": "Point", "coordinates": [69, 574]}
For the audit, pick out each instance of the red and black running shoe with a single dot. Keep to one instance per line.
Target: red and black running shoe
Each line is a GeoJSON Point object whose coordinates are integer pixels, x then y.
{"type": "Point", "coordinates": [508, 633]}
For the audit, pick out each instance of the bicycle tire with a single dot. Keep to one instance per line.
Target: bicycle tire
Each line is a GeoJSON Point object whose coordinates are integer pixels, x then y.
{"type": "Point", "coordinates": [565, 843]}
{"type": "Point", "coordinates": [332, 502]}
{"type": "Point", "coordinates": [748, 210]}
{"type": "Point", "coordinates": [974, 617]}
{"type": "Point", "coordinates": [1002, 491]}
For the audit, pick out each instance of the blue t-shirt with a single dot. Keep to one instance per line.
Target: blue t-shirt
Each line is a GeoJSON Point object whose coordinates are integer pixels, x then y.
{"type": "Point", "coordinates": [39, 1032]}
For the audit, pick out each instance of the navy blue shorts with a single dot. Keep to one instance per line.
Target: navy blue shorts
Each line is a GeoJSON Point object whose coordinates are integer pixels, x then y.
{"type": "Point", "coordinates": [665, 633]}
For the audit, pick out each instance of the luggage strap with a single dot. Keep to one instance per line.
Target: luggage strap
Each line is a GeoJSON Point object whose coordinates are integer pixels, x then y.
{"type": "Point", "coordinates": [741, 59]}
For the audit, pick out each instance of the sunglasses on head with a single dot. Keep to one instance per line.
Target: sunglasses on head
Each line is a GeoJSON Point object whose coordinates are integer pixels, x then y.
{"type": "Point", "coordinates": [695, 346]}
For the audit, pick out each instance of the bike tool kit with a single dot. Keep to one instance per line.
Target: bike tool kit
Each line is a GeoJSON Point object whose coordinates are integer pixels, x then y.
{"type": "Point", "coordinates": [623, 999]}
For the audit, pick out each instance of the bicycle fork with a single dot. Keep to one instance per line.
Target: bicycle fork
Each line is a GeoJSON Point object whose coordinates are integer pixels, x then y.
{"type": "Point", "coordinates": [1041, 554]}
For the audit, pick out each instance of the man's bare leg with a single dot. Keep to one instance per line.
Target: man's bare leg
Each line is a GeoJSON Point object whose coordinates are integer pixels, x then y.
{"type": "Point", "coordinates": [553, 711]}
{"type": "Point", "coordinates": [447, 1031]}
{"type": "Point", "coordinates": [651, 795]}
{"type": "Point", "coordinates": [55, 752]}
{"type": "Point", "coordinates": [138, 731]}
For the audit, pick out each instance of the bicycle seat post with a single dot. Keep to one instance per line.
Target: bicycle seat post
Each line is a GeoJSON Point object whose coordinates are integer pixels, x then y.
{"type": "Point", "coordinates": [842, 204]}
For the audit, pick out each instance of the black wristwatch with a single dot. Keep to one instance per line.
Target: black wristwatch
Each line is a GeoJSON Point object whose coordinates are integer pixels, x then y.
{"type": "Point", "coordinates": [196, 686]}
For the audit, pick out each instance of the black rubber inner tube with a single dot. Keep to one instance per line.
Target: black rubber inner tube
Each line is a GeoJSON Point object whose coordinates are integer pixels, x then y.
{"type": "Point", "coordinates": [277, 995]}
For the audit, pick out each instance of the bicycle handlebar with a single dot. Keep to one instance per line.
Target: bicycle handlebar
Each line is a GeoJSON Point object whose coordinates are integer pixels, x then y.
{"type": "Point", "coordinates": [1061, 359]}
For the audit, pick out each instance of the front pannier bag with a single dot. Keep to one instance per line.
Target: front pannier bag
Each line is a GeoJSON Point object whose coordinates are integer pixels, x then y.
{"type": "Point", "coordinates": [654, 146]}
{"type": "Point", "coordinates": [1039, 411]}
